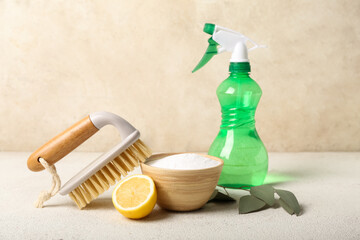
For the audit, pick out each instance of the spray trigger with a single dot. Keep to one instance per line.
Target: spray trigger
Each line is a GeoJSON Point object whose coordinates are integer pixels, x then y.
{"type": "Point", "coordinates": [210, 52]}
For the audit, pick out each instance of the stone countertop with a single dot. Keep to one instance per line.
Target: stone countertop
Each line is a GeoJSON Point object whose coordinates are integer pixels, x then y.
{"type": "Point", "coordinates": [327, 186]}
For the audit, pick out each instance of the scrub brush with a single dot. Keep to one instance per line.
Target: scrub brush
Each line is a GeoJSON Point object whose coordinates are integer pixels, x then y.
{"type": "Point", "coordinates": [104, 171]}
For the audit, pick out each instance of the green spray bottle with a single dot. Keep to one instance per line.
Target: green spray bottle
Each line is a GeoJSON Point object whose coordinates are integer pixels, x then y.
{"type": "Point", "coordinates": [237, 143]}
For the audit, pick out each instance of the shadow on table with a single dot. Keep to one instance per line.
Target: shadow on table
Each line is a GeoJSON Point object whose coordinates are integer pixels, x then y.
{"type": "Point", "coordinates": [157, 214]}
{"type": "Point", "coordinates": [275, 177]}
{"type": "Point", "coordinates": [211, 207]}
{"type": "Point", "coordinates": [208, 208]}
{"type": "Point", "coordinates": [101, 203]}
{"type": "Point", "coordinates": [106, 204]}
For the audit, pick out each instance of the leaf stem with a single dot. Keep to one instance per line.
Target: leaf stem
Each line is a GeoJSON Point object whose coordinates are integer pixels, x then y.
{"type": "Point", "coordinates": [226, 191]}
{"type": "Point", "coordinates": [241, 188]}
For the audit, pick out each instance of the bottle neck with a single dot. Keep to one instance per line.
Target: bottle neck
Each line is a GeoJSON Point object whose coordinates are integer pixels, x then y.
{"type": "Point", "coordinates": [239, 68]}
{"type": "Point", "coordinates": [239, 74]}
{"type": "Point", "coordinates": [241, 115]}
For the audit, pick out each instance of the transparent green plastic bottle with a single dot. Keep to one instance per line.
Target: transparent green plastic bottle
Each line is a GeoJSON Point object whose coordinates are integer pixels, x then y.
{"type": "Point", "coordinates": [238, 143]}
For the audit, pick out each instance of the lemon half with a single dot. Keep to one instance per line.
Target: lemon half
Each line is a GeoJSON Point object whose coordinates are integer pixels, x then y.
{"type": "Point", "coordinates": [135, 196]}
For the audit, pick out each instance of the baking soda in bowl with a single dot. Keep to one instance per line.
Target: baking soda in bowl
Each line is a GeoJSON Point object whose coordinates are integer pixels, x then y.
{"type": "Point", "coordinates": [184, 161]}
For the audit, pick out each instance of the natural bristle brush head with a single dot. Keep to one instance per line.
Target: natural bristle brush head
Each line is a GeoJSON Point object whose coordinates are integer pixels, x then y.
{"type": "Point", "coordinates": [104, 171]}
{"type": "Point", "coordinates": [108, 175]}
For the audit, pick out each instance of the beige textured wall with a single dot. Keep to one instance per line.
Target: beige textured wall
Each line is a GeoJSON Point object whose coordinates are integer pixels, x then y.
{"type": "Point", "coordinates": [60, 60]}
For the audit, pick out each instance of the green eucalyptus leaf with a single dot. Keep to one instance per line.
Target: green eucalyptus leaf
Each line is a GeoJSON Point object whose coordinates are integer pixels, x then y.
{"type": "Point", "coordinates": [250, 204]}
{"type": "Point", "coordinates": [265, 193]}
{"type": "Point", "coordinates": [290, 199]}
{"type": "Point", "coordinates": [220, 197]}
{"type": "Point", "coordinates": [286, 207]}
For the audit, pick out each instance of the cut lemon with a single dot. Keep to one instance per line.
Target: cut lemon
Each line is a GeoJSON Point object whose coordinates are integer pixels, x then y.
{"type": "Point", "coordinates": [135, 196]}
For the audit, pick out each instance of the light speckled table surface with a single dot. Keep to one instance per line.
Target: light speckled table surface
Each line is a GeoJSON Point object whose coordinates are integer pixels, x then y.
{"type": "Point", "coordinates": [326, 184]}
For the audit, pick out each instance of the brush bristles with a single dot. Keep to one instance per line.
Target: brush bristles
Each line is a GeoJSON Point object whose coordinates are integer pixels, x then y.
{"type": "Point", "coordinates": [110, 173]}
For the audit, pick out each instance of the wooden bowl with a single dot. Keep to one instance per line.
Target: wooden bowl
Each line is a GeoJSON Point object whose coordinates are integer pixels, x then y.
{"type": "Point", "coordinates": [183, 190]}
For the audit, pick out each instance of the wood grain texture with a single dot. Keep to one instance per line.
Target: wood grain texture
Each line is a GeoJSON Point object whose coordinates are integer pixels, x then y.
{"type": "Point", "coordinates": [183, 190]}
{"type": "Point", "coordinates": [62, 144]}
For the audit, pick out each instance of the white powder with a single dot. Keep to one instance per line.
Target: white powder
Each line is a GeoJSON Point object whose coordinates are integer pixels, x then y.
{"type": "Point", "coordinates": [185, 161]}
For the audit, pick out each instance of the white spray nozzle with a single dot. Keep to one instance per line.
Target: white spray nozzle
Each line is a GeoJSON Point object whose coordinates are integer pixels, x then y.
{"type": "Point", "coordinates": [234, 42]}
{"type": "Point", "coordinates": [226, 40]}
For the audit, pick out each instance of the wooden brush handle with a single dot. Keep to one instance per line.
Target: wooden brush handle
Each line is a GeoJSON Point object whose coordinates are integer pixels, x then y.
{"type": "Point", "coordinates": [62, 144]}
